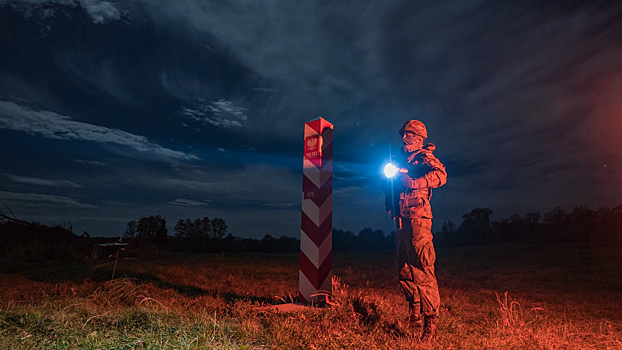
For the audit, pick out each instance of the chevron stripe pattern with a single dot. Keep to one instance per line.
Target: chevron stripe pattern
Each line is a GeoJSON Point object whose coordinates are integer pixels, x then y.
{"type": "Point", "coordinates": [316, 234]}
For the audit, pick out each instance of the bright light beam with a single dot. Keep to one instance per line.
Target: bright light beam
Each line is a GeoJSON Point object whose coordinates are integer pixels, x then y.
{"type": "Point", "coordinates": [390, 170]}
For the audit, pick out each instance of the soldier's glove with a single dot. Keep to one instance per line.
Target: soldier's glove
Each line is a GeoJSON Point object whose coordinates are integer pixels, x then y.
{"type": "Point", "coordinates": [409, 182]}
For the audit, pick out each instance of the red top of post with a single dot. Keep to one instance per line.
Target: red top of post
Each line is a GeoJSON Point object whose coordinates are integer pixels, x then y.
{"type": "Point", "coordinates": [319, 124]}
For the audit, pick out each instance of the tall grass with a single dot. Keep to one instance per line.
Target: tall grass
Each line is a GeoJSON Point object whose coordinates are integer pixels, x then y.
{"type": "Point", "coordinates": [217, 302]}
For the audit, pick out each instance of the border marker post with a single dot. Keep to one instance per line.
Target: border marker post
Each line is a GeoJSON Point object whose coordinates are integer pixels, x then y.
{"type": "Point", "coordinates": [316, 234]}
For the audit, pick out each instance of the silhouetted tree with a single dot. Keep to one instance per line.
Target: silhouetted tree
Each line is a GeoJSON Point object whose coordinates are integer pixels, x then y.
{"type": "Point", "coordinates": [219, 228]}
{"type": "Point", "coordinates": [205, 226]}
{"type": "Point", "coordinates": [610, 223]}
{"type": "Point", "coordinates": [557, 222]}
{"type": "Point", "coordinates": [181, 233]}
{"type": "Point", "coordinates": [369, 239]}
{"type": "Point", "coordinates": [447, 235]}
{"type": "Point", "coordinates": [201, 235]}
{"type": "Point", "coordinates": [583, 223]}
{"type": "Point", "coordinates": [343, 240]}
{"type": "Point", "coordinates": [130, 230]}
{"type": "Point", "coordinates": [518, 228]}
{"type": "Point", "coordinates": [503, 230]}
{"type": "Point", "coordinates": [152, 229]}
{"type": "Point", "coordinates": [475, 227]}
{"type": "Point", "coordinates": [533, 224]}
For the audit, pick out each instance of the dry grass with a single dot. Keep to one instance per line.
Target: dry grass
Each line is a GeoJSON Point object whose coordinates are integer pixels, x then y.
{"type": "Point", "coordinates": [494, 297]}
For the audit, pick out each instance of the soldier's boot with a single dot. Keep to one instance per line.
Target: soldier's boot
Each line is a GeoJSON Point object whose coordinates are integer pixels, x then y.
{"type": "Point", "coordinates": [414, 317]}
{"type": "Point", "coordinates": [429, 329]}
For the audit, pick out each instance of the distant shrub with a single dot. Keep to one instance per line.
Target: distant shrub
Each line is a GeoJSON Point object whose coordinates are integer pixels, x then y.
{"type": "Point", "coordinates": [37, 242]}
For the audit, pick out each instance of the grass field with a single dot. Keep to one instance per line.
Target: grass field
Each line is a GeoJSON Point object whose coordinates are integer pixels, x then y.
{"type": "Point", "coordinates": [498, 297]}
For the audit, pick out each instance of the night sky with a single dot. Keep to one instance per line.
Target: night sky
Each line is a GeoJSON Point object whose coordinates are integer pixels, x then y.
{"type": "Point", "coordinates": [114, 110]}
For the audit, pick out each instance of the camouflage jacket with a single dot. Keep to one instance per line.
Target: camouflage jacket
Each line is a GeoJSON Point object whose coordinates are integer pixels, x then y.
{"type": "Point", "coordinates": [408, 194]}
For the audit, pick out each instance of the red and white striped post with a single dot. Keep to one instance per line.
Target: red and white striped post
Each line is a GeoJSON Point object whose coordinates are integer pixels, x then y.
{"type": "Point", "coordinates": [316, 234]}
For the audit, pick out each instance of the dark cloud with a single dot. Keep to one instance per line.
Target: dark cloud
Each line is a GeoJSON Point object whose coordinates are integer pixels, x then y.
{"type": "Point", "coordinates": [197, 107]}
{"type": "Point", "coordinates": [219, 113]}
{"type": "Point", "coordinates": [99, 11]}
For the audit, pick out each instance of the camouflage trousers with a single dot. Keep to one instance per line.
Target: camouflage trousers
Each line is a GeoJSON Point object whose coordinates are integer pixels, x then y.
{"type": "Point", "coordinates": [416, 257]}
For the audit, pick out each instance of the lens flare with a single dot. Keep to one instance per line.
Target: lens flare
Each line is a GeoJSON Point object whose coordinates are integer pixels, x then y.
{"type": "Point", "coordinates": [390, 170]}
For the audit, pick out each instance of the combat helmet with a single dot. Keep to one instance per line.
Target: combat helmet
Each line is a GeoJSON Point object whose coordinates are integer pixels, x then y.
{"type": "Point", "coordinates": [416, 127]}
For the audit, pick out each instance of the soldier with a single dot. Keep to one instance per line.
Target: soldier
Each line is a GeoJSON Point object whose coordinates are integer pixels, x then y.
{"type": "Point", "coordinates": [408, 202]}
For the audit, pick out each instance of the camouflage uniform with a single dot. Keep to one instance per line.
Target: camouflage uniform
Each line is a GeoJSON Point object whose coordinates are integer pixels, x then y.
{"type": "Point", "coordinates": [408, 200]}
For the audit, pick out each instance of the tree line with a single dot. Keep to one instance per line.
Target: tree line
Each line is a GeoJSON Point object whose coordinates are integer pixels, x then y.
{"type": "Point", "coordinates": [582, 224]}
{"type": "Point", "coordinates": [23, 241]}
{"type": "Point", "coordinates": [199, 235]}
{"type": "Point", "coordinates": [205, 235]}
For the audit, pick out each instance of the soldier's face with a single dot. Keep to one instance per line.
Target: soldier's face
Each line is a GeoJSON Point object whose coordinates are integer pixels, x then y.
{"type": "Point", "coordinates": [410, 138]}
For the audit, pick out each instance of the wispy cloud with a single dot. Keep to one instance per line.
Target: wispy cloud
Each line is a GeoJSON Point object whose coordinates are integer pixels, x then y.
{"type": "Point", "coordinates": [188, 202]}
{"type": "Point", "coordinates": [219, 113]}
{"type": "Point", "coordinates": [43, 182]}
{"type": "Point", "coordinates": [350, 191]}
{"type": "Point", "coordinates": [99, 11]}
{"type": "Point", "coordinates": [39, 200]}
{"type": "Point", "coordinates": [55, 126]}
{"type": "Point", "coordinates": [90, 162]}
{"type": "Point", "coordinates": [279, 205]}
{"type": "Point", "coordinates": [211, 187]}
